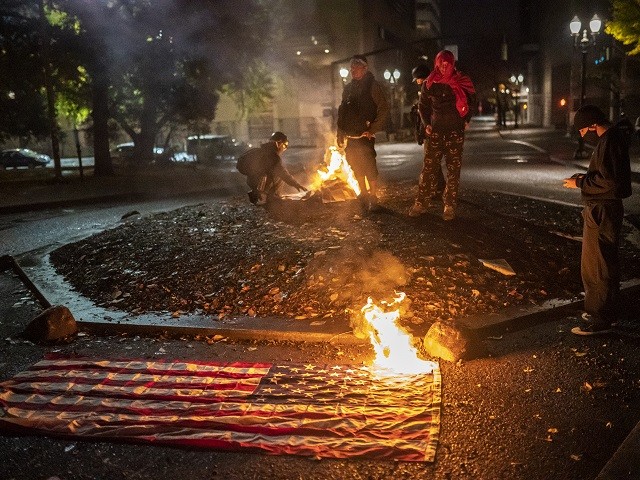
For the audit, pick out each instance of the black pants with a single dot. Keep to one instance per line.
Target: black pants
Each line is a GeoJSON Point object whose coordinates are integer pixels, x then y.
{"type": "Point", "coordinates": [600, 263]}
{"type": "Point", "coordinates": [361, 157]}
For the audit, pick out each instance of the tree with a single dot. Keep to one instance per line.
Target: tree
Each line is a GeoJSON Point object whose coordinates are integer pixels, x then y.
{"type": "Point", "coordinates": [625, 24]}
{"type": "Point", "coordinates": [22, 101]}
{"type": "Point", "coordinates": [163, 72]}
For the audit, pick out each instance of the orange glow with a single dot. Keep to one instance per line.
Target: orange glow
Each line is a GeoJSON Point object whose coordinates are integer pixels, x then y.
{"type": "Point", "coordinates": [336, 167]}
{"type": "Point", "coordinates": [392, 344]}
{"type": "Point", "coordinates": [563, 102]}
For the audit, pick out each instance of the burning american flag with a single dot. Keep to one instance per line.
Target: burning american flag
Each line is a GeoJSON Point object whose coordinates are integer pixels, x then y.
{"type": "Point", "coordinates": [335, 411]}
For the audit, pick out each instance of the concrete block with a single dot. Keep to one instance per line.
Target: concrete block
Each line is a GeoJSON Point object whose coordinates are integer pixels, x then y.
{"type": "Point", "coordinates": [52, 324]}
{"type": "Point", "coordinates": [446, 341]}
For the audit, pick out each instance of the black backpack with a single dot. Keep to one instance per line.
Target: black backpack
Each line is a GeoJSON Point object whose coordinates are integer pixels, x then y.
{"type": "Point", "coordinates": [250, 162]}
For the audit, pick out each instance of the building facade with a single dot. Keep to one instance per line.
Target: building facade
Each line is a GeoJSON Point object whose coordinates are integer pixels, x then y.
{"type": "Point", "coordinates": [320, 38]}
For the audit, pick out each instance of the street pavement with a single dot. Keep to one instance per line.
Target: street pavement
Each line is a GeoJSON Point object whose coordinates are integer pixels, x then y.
{"type": "Point", "coordinates": [41, 191]}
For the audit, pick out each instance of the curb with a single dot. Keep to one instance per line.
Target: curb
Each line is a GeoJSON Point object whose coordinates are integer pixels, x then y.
{"type": "Point", "coordinates": [115, 198]}
{"type": "Point", "coordinates": [625, 462]}
{"type": "Point", "coordinates": [238, 328]}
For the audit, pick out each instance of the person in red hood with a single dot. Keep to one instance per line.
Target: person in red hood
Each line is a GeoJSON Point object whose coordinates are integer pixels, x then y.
{"type": "Point", "coordinates": [446, 100]}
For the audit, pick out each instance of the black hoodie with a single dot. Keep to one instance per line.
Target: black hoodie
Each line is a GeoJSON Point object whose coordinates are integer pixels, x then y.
{"type": "Point", "coordinates": [609, 174]}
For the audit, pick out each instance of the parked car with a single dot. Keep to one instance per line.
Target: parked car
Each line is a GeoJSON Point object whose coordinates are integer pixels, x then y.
{"type": "Point", "coordinates": [215, 148]}
{"type": "Point", "coordinates": [122, 154]}
{"type": "Point", "coordinates": [23, 157]}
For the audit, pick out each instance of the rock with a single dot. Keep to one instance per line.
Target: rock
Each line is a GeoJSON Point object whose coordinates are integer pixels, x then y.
{"type": "Point", "coordinates": [446, 342]}
{"type": "Point", "coordinates": [52, 324]}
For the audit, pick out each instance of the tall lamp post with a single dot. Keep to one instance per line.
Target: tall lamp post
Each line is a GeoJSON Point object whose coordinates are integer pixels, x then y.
{"type": "Point", "coordinates": [517, 82]}
{"type": "Point", "coordinates": [583, 43]}
{"type": "Point", "coordinates": [344, 73]}
{"type": "Point", "coordinates": [392, 78]}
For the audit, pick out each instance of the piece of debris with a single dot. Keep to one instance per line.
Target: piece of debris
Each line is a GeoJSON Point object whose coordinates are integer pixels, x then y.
{"type": "Point", "coordinates": [499, 265]}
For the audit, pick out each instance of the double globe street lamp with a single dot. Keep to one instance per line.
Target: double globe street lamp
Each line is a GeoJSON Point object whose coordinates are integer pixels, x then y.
{"type": "Point", "coordinates": [583, 42]}
{"type": "Point", "coordinates": [517, 82]}
{"type": "Point", "coordinates": [392, 78]}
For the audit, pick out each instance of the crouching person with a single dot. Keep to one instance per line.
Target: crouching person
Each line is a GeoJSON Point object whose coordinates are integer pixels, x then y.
{"type": "Point", "coordinates": [265, 171]}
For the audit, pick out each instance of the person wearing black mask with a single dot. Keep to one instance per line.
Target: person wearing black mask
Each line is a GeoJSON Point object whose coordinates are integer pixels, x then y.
{"type": "Point", "coordinates": [604, 185]}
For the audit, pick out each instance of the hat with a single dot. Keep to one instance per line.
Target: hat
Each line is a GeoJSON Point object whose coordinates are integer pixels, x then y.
{"type": "Point", "coordinates": [588, 115]}
{"type": "Point", "coordinates": [361, 59]}
{"type": "Point", "coordinates": [278, 137]}
{"type": "Point", "coordinates": [421, 71]}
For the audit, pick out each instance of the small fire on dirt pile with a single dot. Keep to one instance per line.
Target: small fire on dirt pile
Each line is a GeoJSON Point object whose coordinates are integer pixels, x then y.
{"type": "Point", "coordinates": [335, 180]}
{"type": "Point", "coordinates": [392, 345]}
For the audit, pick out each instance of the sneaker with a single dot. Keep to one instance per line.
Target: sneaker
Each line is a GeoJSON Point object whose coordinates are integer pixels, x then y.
{"type": "Point", "coordinates": [587, 317]}
{"type": "Point", "coordinates": [417, 209]}
{"type": "Point", "coordinates": [591, 329]}
{"type": "Point", "coordinates": [449, 213]}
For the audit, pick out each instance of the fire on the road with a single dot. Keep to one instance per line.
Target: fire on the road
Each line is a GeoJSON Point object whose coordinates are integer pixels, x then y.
{"type": "Point", "coordinates": [392, 345]}
{"type": "Point", "coordinates": [336, 167]}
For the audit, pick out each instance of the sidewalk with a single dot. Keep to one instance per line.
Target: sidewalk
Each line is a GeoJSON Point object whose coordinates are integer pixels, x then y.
{"type": "Point", "coordinates": [41, 190]}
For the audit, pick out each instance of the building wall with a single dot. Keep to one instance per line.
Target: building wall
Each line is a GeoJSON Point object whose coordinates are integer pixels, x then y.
{"type": "Point", "coordinates": [308, 87]}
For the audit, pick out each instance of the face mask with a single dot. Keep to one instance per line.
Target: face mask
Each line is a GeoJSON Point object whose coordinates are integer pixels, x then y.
{"type": "Point", "coordinates": [591, 137]}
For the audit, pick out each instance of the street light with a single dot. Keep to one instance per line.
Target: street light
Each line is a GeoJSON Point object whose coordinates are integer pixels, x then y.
{"type": "Point", "coordinates": [583, 43]}
{"type": "Point", "coordinates": [344, 73]}
{"type": "Point", "coordinates": [516, 81]}
{"type": "Point", "coordinates": [392, 78]}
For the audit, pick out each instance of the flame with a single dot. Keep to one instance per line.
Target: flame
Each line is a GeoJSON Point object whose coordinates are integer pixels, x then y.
{"type": "Point", "coordinates": [392, 345]}
{"type": "Point", "coordinates": [336, 167]}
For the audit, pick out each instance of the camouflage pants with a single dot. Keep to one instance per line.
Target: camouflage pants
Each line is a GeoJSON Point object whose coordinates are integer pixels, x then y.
{"type": "Point", "coordinates": [449, 145]}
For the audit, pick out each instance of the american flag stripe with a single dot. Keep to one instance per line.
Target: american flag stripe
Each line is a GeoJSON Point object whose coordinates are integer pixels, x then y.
{"type": "Point", "coordinates": [22, 406]}
{"type": "Point", "coordinates": [159, 382]}
{"type": "Point", "coordinates": [336, 411]}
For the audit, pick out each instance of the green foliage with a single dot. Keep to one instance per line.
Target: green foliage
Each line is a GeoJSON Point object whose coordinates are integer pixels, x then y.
{"type": "Point", "coordinates": [22, 103]}
{"type": "Point", "coordinates": [254, 89]}
{"type": "Point", "coordinates": [625, 25]}
{"type": "Point", "coordinates": [161, 63]}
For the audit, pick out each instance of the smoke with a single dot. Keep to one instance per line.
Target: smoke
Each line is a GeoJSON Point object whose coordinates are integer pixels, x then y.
{"type": "Point", "coordinates": [359, 273]}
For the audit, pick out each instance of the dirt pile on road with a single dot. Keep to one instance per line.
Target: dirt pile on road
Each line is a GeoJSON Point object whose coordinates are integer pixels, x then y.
{"type": "Point", "coordinates": [308, 260]}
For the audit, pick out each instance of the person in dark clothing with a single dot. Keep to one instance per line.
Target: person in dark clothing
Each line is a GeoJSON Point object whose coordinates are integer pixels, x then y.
{"type": "Point", "coordinates": [444, 107]}
{"type": "Point", "coordinates": [362, 113]}
{"type": "Point", "coordinates": [606, 183]}
{"type": "Point", "coordinates": [265, 171]}
{"type": "Point", "coordinates": [502, 105]}
{"type": "Point", "coordinates": [420, 74]}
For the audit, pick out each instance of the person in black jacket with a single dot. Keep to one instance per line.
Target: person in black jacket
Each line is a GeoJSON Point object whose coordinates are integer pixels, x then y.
{"type": "Point", "coordinates": [362, 113]}
{"type": "Point", "coordinates": [265, 171]}
{"type": "Point", "coordinates": [606, 183]}
{"type": "Point", "coordinates": [446, 101]}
